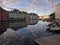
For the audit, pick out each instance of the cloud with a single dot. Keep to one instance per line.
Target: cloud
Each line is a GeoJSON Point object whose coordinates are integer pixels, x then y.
{"type": "Point", "coordinates": [36, 2]}
{"type": "Point", "coordinates": [7, 2]}
{"type": "Point", "coordinates": [28, 5]}
{"type": "Point", "coordinates": [49, 0]}
{"type": "Point", "coordinates": [10, 3]}
{"type": "Point", "coordinates": [28, 10]}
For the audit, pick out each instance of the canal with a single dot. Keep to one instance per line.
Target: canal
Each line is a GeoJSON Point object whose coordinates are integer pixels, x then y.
{"type": "Point", "coordinates": [22, 32]}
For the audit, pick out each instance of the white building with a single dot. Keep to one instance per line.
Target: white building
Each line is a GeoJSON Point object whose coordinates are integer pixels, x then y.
{"type": "Point", "coordinates": [57, 11]}
{"type": "Point", "coordinates": [17, 15]}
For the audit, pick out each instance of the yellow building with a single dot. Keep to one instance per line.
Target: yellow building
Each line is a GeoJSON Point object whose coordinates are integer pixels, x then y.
{"type": "Point", "coordinates": [25, 15]}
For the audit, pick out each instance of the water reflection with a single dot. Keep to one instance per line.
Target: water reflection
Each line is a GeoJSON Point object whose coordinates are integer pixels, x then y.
{"type": "Point", "coordinates": [32, 22]}
{"type": "Point", "coordinates": [3, 27]}
{"type": "Point", "coordinates": [16, 25]}
{"type": "Point", "coordinates": [21, 24]}
{"type": "Point", "coordinates": [22, 33]}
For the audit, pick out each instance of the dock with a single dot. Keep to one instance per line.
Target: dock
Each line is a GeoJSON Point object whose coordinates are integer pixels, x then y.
{"type": "Point", "coordinates": [50, 40]}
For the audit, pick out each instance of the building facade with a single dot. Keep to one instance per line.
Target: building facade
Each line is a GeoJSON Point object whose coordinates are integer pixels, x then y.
{"type": "Point", "coordinates": [25, 15]}
{"type": "Point", "coordinates": [17, 15]}
{"type": "Point", "coordinates": [3, 14]}
{"type": "Point", "coordinates": [57, 11]}
{"type": "Point", "coordinates": [32, 16]}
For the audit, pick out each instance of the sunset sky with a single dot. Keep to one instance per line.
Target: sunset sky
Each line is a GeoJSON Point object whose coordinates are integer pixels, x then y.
{"type": "Point", "coordinates": [40, 7]}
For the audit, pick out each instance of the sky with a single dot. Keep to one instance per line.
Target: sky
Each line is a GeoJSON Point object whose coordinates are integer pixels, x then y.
{"type": "Point", "coordinates": [40, 7]}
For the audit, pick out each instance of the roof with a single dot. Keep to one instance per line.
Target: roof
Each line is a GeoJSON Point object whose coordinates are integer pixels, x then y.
{"type": "Point", "coordinates": [32, 14]}
{"type": "Point", "coordinates": [2, 9]}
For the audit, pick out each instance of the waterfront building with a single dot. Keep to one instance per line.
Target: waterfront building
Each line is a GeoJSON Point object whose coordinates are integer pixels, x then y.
{"type": "Point", "coordinates": [32, 16]}
{"type": "Point", "coordinates": [3, 14]}
{"type": "Point", "coordinates": [57, 11]}
{"type": "Point", "coordinates": [17, 15]}
{"type": "Point", "coordinates": [24, 15]}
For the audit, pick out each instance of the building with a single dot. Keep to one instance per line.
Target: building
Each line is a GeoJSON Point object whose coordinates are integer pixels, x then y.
{"type": "Point", "coordinates": [57, 11]}
{"type": "Point", "coordinates": [17, 15]}
{"type": "Point", "coordinates": [25, 15]}
{"type": "Point", "coordinates": [3, 14]}
{"type": "Point", "coordinates": [32, 16]}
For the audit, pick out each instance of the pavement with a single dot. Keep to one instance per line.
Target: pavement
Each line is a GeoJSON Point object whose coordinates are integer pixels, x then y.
{"type": "Point", "coordinates": [49, 40]}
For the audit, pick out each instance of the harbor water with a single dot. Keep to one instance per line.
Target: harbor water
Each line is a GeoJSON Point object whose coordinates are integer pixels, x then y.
{"type": "Point", "coordinates": [22, 32]}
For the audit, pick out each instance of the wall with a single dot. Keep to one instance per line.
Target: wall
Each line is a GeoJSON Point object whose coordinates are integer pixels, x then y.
{"type": "Point", "coordinates": [3, 14]}
{"type": "Point", "coordinates": [57, 11]}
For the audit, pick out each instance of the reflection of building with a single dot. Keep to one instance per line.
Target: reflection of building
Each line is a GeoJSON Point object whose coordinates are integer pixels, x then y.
{"type": "Point", "coordinates": [3, 14]}
{"type": "Point", "coordinates": [57, 11]}
{"type": "Point", "coordinates": [21, 24]}
{"type": "Point", "coordinates": [33, 16]}
{"type": "Point", "coordinates": [3, 27]}
{"type": "Point", "coordinates": [17, 25]}
{"type": "Point", "coordinates": [32, 22]}
{"type": "Point", "coordinates": [17, 15]}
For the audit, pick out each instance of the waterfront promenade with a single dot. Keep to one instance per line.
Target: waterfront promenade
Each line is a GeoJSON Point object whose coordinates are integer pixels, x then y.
{"type": "Point", "coordinates": [50, 40]}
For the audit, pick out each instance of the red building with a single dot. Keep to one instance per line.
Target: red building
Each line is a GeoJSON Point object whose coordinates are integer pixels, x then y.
{"type": "Point", "coordinates": [3, 17]}
{"type": "Point", "coordinates": [3, 14]}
